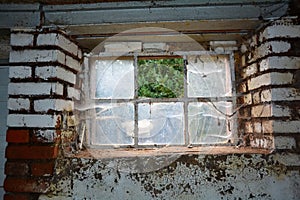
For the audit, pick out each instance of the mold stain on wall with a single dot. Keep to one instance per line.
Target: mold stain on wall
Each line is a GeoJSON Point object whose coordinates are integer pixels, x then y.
{"type": "Point", "coordinates": [232, 176]}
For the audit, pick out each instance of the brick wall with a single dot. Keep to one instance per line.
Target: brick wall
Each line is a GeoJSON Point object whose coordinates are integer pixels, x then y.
{"type": "Point", "coordinates": [42, 91]}
{"type": "Point", "coordinates": [269, 86]}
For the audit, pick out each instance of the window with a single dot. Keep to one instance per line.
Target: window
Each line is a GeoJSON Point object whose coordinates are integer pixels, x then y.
{"type": "Point", "coordinates": [152, 101]}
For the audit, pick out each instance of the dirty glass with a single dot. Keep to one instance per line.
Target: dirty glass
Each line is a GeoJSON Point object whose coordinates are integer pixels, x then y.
{"type": "Point", "coordinates": [160, 123]}
{"type": "Point", "coordinates": [114, 124]}
{"type": "Point", "coordinates": [161, 78]}
{"type": "Point", "coordinates": [208, 76]}
{"type": "Point", "coordinates": [208, 122]}
{"type": "Point", "coordinates": [115, 79]}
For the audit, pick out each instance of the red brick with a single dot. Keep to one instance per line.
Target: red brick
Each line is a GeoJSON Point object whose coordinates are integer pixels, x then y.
{"type": "Point", "coordinates": [17, 136]}
{"type": "Point", "coordinates": [17, 197]}
{"type": "Point", "coordinates": [26, 185]}
{"type": "Point", "coordinates": [31, 152]}
{"type": "Point", "coordinates": [42, 169]}
{"type": "Point", "coordinates": [16, 168]}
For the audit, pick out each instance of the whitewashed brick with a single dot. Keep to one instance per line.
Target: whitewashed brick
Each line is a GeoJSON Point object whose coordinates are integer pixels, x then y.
{"type": "Point", "coordinates": [257, 127]}
{"type": "Point", "coordinates": [32, 120]}
{"type": "Point", "coordinates": [282, 62]}
{"type": "Point", "coordinates": [270, 47]}
{"type": "Point", "coordinates": [21, 39]}
{"type": "Point", "coordinates": [35, 88]}
{"type": "Point", "coordinates": [266, 142]}
{"type": "Point", "coordinates": [288, 159]}
{"type": "Point", "coordinates": [280, 94]}
{"type": "Point", "coordinates": [20, 72]}
{"type": "Point", "coordinates": [59, 40]}
{"type": "Point", "coordinates": [72, 63]}
{"type": "Point", "coordinates": [55, 72]}
{"type": "Point", "coordinates": [285, 126]}
{"type": "Point", "coordinates": [243, 87]}
{"type": "Point", "coordinates": [273, 78]}
{"type": "Point", "coordinates": [287, 31]}
{"type": "Point", "coordinates": [79, 53]}
{"type": "Point", "coordinates": [53, 104]}
{"type": "Point", "coordinates": [270, 110]}
{"type": "Point", "coordinates": [18, 104]}
{"type": "Point", "coordinates": [73, 93]}
{"type": "Point", "coordinates": [284, 142]}
{"type": "Point", "coordinates": [37, 56]}
{"type": "Point", "coordinates": [46, 136]}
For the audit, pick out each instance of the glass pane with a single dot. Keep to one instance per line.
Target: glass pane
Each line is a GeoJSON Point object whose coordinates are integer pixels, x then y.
{"type": "Point", "coordinates": [160, 123]}
{"type": "Point", "coordinates": [207, 124]}
{"type": "Point", "coordinates": [161, 78]}
{"type": "Point", "coordinates": [208, 76]}
{"type": "Point", "coordinates": [115, 79]}
{"type": "Point", "coordinates": [114, 124]}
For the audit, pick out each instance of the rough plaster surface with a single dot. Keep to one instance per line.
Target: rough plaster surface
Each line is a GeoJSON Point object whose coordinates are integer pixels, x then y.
{"type": "Point", "coordinates": [233, 176]}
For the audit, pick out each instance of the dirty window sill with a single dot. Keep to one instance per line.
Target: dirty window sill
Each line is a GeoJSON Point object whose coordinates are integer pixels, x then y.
{"type": "Point", "coordinates": [203, 150]}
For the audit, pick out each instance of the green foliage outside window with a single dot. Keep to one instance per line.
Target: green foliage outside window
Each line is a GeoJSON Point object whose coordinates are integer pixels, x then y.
{"type": "Point", "coordinates": [161, 78]}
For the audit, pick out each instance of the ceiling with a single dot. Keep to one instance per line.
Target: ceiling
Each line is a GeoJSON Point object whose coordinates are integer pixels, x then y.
{"type": "Point", "coordinates": [93, 21]}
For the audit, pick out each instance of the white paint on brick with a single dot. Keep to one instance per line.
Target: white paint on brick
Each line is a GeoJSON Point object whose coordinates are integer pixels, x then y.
{"type": "Point", "coordinates": [72, 63]}
{"type": "Point", "coordinates": [280, 94]}
{"type": "Point", "coordinates": [18, 104]}
{"type": "Point", "coordinates": [265, 142]}
{"type": "Point", "coordinates": [284, 142]}
{"type": "Point", "coordinates": [21, 39]}
{"type": "Point", "coordinates": [270, 47]}
{"type": "Point", "coordinates": [45, 135]}
{"type": "Point", "coordinates": [37, 56]}
{"type": "Point", "coordinates": [73, 93]}
{"type": "Point", "coordinates": [20, 72]}
{"type": "Point", "coordinates": [35, 88]}
{"type": "Point", "coordinates": [55, 72]}
{"type": "Point", "coordinates": [32, 120]}
{"type": "Point", "coordinates": [58, 40]}
{"type": "Point", "coordinates": [288, 159]}
{"type": "Point", "coordinates": [290, 31]}
{"type": "Point", "coordinates": [257, 127]}
{"type": "Point", "coordinates": [270, 110]}
{"type": "Point", "coordinates": [53, 104]}
{"type": "Point", "coordinates": [79, 54]}
{"type": "Point", "coordinates": [273, 78]}
{"type": "Point", "coordinates": [282, 62]}
{"type": "Point", "coordinates": [286, 126]}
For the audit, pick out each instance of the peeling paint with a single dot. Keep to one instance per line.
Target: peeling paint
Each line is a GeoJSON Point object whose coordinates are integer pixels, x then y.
{"type": "Point", "coordinates": [232, 176]}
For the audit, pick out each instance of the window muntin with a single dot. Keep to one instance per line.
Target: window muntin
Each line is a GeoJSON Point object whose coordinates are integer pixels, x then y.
{"type": "Point", "coordinates": [200, 116]}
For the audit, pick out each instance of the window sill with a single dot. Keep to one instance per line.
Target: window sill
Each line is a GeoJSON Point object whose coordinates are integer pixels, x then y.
{"type": "Point", "coordinates": [203, 150]}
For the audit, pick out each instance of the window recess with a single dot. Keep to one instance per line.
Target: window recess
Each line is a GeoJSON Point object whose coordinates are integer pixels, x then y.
{"type": "Point", "coordinates": [153, 101]}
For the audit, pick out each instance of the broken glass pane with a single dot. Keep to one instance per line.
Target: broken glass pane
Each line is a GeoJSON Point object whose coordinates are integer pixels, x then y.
{"type": "Point", "coordinates": [208, 122]}
{"type": "Point", "coordinates": [115, 79]}
{"type": "Point", "coordinates": [114, 124]}
{"type": "Point", "coordinates": [161, 78]}
{"type": "Point", "coordinates": [160, 123]}
{"type": "Point", "coordinates": [208, 76]}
